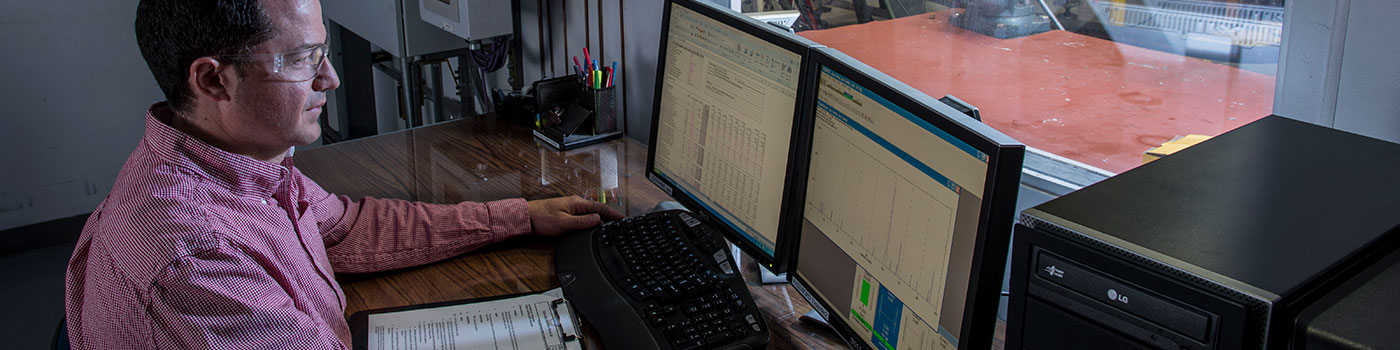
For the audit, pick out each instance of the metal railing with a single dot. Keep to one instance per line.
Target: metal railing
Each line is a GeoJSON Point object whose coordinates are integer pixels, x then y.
{"type": "Point", "coordinates": [1245, 25]}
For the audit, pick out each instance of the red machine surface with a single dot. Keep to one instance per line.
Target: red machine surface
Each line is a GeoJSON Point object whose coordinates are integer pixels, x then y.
{"type": "Point", "coordinates": [1088, 99]}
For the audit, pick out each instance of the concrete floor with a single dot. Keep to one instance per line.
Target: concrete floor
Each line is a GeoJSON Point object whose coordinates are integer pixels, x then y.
{"type": "Point", "coordinates": [31, 298]}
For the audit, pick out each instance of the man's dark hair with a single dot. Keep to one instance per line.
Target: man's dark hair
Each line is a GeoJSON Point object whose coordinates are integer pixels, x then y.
{"type": "Point", "coordinates": [173, 33]}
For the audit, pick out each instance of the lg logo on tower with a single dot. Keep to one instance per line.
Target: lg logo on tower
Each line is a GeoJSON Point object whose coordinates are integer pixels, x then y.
{"type": "Point", "coordinates": [1113, 295]}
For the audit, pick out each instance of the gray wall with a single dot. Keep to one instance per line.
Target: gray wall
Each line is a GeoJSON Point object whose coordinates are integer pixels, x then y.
{"type": "Point", "coordinates": [643, 40]}
{"type": "Point", "coordinates": [629, 34]}
{"type": "Point", "coordinates": [1338, 68]}
{"type": "Point", "coordinates": [75, 91]}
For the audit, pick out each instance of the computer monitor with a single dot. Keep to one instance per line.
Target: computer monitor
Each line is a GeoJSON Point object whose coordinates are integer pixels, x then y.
{"type": "Point", "coordinates": [727, 104]}
{"type": "Point", "coordinates": [907, 213]}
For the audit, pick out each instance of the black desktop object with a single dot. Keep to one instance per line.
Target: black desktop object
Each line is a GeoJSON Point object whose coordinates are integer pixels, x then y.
{"type": "Point", "coordinates": [1361, 314]}
{"type": "Point", "coordinates": [906, 215]}
{"type": "Point", "coordinates": [1220, 246]}
{"type": "Point", "coordinates": [727, 103]}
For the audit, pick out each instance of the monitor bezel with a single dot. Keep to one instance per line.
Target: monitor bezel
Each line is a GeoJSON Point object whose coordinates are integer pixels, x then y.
{"type": "Point", "coordinates": [785, 243]}
{"type": "Point", "coordinates": [1005, 157]}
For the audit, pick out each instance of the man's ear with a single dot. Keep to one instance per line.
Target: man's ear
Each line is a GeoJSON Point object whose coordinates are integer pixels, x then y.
{"type": "Point", "coordinates": [206, 79]}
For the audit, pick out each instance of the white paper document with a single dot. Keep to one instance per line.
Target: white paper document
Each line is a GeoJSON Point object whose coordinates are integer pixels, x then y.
{"type": "Point", "coordinates": [536, 321]}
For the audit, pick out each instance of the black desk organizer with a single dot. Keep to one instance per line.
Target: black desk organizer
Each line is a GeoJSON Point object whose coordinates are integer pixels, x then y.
{"type": "Point", "coordinates": [572, 116]}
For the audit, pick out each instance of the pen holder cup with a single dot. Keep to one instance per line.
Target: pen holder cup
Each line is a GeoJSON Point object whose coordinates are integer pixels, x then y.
{"type": "Point", "coordinates": [603, 103]}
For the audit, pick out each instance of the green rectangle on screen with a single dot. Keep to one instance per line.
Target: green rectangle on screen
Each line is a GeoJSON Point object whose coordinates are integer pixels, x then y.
{"type": "Point", "coordinates": [865, 292]}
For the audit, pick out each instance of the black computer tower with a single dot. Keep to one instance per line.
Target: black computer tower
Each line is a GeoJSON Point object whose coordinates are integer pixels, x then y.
{"type": "Point", "coordinates": [1223, 245]}
{"type": "Point", "coordinates": [1361, 314]}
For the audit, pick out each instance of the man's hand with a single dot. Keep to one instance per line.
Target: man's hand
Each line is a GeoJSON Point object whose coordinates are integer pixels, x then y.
{"type": "Point", "coordinates": [555, 216]}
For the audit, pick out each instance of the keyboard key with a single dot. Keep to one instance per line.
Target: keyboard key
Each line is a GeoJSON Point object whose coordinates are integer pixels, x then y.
{"type": "Point", "coordinates": [720, 337]}
{"type": "Point", "coordinates": [689, 345]}
{"type": "Point", "coordinates": [661, 293]}
{"type": "Point", "coordinates": [641, 295]}
{"type": "Point", "coordinates": [738, 328]}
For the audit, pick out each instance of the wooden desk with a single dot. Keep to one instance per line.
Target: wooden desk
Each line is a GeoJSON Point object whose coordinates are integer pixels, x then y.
{"type": "Point", "coordinates": [485, 158]}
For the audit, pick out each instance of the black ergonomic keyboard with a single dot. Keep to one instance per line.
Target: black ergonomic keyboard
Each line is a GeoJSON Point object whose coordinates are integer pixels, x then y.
{"type": "Point", "coordinates": [659, 281]}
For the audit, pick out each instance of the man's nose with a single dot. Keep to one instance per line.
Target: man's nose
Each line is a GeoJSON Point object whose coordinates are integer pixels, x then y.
{"type": "Point", "coordinates": [326, 79]}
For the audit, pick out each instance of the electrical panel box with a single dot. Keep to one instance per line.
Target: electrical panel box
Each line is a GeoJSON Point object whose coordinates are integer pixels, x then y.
{"type": "Point", "coordinates": [393, 26]}
{"type": "Point", "coordinates": [468, 19]}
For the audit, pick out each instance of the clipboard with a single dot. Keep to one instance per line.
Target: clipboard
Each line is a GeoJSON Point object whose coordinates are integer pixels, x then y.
{"type": "Point", "coordinates": [566, 322]}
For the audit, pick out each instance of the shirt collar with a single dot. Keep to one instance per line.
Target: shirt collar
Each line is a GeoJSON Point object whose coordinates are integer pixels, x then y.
{"type": "Point", "coordinates": [241, 174]}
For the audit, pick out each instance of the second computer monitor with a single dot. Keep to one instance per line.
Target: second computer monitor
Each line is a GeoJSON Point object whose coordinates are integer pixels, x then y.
{"type": "Point", "coordinates": [907, 213]}
{"type": "Point", "coordinates": [727, 98]}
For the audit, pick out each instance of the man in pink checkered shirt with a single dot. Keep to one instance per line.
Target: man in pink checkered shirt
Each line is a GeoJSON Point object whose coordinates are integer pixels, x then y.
{"type": "Point", "coordinates": [211, 238]}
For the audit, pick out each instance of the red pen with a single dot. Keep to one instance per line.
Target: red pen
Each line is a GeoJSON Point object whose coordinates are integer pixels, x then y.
{"type": "Point", "coordinates": [587, 59]}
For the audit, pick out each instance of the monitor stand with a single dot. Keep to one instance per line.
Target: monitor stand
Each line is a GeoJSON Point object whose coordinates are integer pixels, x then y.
{"type": "Point", "coordinates": [764, 275]}
{"type": "Point", "coordinates": [768, 277]}
{"type": "Point", "coordinates": [816, 319]}
{"type": "Point", "coordinates": [668, 205]}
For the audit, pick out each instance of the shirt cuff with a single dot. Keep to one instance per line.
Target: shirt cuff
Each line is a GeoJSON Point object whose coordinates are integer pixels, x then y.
{"type": "Point", "coordinates": [508, 218]}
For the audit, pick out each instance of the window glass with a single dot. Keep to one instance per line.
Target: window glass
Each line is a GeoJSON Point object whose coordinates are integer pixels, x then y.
{"type": "Point", "coordinates": [1096, 81]}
